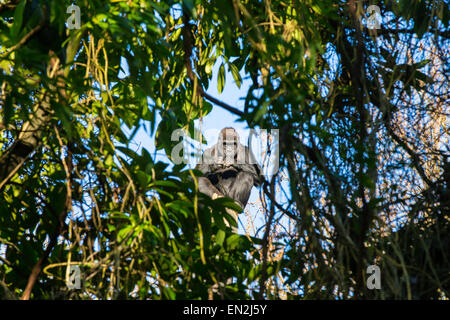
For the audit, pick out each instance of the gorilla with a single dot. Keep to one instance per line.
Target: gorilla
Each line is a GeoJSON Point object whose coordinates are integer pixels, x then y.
{"type": "Point", "coordinates": [229, 169]}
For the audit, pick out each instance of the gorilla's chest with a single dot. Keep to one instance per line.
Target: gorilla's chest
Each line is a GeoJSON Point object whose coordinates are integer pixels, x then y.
{"type": "Point", "coordinates": [225, 175]}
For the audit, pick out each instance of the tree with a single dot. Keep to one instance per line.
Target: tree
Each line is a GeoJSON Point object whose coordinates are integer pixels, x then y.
{"type": "Point", "coordinates": [363, 126]}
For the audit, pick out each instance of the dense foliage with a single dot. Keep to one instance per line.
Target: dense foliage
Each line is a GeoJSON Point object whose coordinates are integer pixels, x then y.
{"type": "Point", "coordinates": [364, 145]}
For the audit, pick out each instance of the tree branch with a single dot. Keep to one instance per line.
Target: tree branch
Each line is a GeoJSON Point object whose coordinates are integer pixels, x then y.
{"type": "Point", "coordinates": [68, 166]}
{"type": "Point", "coordinates": [27, 36]}
{"type": "Point", "coordinates": [29, 138]}
{"type": "Point", "coordinates": [222, 104]}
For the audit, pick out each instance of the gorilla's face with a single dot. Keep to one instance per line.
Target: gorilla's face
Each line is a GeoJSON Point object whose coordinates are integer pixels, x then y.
{"type": "Point", "coordinates": [230, 152]}
{"type": "Point", "coordinates": [228, 146]}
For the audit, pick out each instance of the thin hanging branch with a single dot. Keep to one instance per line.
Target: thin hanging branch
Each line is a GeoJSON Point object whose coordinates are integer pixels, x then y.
{"type": "Point", "coordinates": [265, 243]}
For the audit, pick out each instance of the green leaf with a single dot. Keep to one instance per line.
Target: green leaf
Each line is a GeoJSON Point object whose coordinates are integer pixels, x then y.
{"type": "Point", "coordinates": [8, 110]}
{"type": "Point", "coordinates": [233, 241]}
{"type": "Point", "coordinates": [422, 63]}
{"type": "Point", "coordinates": [169, 293]}
{"type": "Point", "coordinates": [254, 272]}
{"type": "Point", "coordinates": [170, 184]}
{"type": "Point", "coordinates": [123, 233]}
{"type": "Point", "coordinates": [220, 237]}
{"type": "Point", "coordinates": [109, 161]}
{"type": "Point", "coordinates": [18, 18]}
{"type": "Point", "coordinates": [221, 78]}
{"type": "Point", "coordinates": [229, 203]}
{"type": "Point", "coordinates": [235, 73]}
{"type": "Point", "coordinates": [64, 115]}
{"type": "Point", "coordinates": [142, 177]}
{"type": "Point", "coordinates": [261, 111]}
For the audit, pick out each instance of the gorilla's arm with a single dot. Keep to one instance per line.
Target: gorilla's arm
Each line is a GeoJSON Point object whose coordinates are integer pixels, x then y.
{"type": "Point", "coordinates": [204, 183]}
{"type": "Point", "coordinates": [250, 165]}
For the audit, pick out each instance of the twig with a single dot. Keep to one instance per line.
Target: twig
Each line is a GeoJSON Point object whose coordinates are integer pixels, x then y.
{"type": "Point", "coordinates": [28, 35]}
